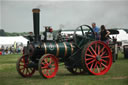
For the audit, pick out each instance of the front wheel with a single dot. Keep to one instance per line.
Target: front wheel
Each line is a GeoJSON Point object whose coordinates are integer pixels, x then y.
{"type": "Point", "coordinates": [48, 66]}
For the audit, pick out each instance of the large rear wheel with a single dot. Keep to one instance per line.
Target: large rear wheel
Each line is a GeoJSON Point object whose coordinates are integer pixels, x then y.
{"type": "Point", "coordinates": [97, 58]}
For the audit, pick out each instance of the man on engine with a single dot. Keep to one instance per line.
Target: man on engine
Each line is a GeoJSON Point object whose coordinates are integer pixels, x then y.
{"type": "Point", "coordinates": [96, 30]}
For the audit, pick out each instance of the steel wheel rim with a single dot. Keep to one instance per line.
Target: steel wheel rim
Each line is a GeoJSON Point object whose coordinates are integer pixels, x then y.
{"type": "Point", "coordinates": [23, 69]}
{"type": "Point", "coordinates": [98, 58]}
{"type": "Point", "coordinates": [49, 66]}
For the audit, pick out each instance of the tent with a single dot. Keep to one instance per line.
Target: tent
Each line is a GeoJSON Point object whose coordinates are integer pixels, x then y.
{"type": "Point", "coordinates": [10, 40]}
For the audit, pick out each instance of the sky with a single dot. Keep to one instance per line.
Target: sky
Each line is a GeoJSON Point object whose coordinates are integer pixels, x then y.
{"type": "Point", "coordinates": [16, 15]}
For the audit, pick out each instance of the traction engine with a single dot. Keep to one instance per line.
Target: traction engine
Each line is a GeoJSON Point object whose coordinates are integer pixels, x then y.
{"type": "Point", "coordinates": [81, 55]}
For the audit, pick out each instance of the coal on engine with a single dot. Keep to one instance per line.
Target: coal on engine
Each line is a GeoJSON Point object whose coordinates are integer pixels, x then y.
{"type": "Point", "coordinates": [81, 55]}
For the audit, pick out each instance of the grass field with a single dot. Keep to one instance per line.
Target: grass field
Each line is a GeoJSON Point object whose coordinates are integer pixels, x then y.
{"type": "Point", "coordinates": [117, 75]}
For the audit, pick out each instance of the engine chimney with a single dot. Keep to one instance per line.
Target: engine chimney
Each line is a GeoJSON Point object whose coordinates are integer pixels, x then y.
{"type": "Point", "coordinates": [36, 23]}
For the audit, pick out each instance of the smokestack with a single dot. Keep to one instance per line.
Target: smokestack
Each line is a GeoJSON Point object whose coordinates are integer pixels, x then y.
{"type": "Point", "coordinates": [36, 23]}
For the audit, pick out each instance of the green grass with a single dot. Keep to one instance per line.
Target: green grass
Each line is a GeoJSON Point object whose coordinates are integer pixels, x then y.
{"type": "Point", "coordinates": [117, 75]}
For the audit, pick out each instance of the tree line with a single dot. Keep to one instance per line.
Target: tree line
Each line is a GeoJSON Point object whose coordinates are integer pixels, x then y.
{"type": "Point", "coordinates": [3, 33]}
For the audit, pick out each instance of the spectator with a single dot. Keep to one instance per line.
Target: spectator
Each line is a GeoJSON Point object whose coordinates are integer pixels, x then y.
{"type": "Point", "coordinates": [96, 30]}
{"type": "Point", "coordinates": [104, 34]}
{"type": "Point", "coordinates": [11, 51]}
{"type": "Point", "coordinates": [2, 49]}
{"type": "Point", "coordinates": [6, 50]}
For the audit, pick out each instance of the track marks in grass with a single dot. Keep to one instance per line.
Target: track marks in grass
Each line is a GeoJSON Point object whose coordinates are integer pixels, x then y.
{"type": "Point", "coordinates": [113, 78]}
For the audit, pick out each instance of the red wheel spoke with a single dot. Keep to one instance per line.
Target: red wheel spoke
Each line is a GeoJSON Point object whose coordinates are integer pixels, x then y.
{"type": "Point", "coordinates": [101, 50]}
{"type": "Point", "coordinates": [89, 59]}
{"type": "Point", "coordinates": [53, 64]}
{"type": "Point", "coordinates": [90, 55]}
{"type": "Point", "coordinates": [51, 70]}
{"type": "Point", "coordinates": [98, 69]}
{"type": "Point", "coordinates": [95, 66]}
{"type": "Point", "coordinates": [105, 57]}
{"type": "Point", "coordinates": [46, 61]}
{"type": "Point", "coordinates": [31, 69]}
{"type": "Point", "coordinates": [21, 65]}
{"type": "Point", "coordinates": [93, 50]}
{"type": "Point", "coordinates": [104, 60]}
{"type": "Point", "coordinates": [44, 67]}
{"type": "Point", "coordinates": [98, 49]}
{"type": "Point", "coordinates": [95, 47]}
{"type": "Point", "coordinates": [42, 63]}
{"type": "Point", "coordinates": [103, 53]}
{"type": "Point", "coordinates": [21, 68]}
{"type": "Point", "coordinates": [91, 65]}
{"type": "Point", "coordinates": [25, 71]}
{"type": "Point", "coordinates": [104, 65]}
{"type": "Point", "coordinates": [90, 52]}
{"type": "Point", "coordinates": [91, 62]}
{"type": "Point", "coordinates": [44, 71]}
{"type": "Point", "coordinates": [28, 71]}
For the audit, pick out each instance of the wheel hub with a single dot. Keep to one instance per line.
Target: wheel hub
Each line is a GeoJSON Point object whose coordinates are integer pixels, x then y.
{"type": "Point", "coordinates": [49, 66]}
{"type": "Point", "coordinates": [98, 57]}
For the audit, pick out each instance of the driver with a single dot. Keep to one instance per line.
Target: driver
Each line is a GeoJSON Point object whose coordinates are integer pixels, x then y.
{"type": "Point", "coordinates": [96, 30]}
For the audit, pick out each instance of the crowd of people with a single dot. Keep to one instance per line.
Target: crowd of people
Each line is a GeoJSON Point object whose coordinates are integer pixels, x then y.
{"type": "Point", "coordinates": [5, 50]}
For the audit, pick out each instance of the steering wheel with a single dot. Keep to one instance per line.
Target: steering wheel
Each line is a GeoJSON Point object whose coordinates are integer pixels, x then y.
{"type": "Point", "coordinates": [82, 34]}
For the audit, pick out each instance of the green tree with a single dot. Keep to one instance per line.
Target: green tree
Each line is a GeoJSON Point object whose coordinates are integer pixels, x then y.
{"type": "Point", "coordinates": [2, 32]}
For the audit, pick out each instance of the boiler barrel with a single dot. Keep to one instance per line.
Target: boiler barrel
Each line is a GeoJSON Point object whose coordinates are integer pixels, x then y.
{"type": "Point", "coordinates": [63, 49]}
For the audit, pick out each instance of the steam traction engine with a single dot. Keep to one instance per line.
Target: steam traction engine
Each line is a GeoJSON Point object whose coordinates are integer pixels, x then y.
{"type": "Point", "coordinates": [80, 55]}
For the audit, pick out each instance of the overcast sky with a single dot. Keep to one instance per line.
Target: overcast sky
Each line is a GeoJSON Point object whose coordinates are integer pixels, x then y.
{"type": "Point", "coordinates": [16, 16]}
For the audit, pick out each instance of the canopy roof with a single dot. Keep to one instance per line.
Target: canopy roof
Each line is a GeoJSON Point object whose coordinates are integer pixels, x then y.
{"type": "Point", "coordinates": [10, 40]}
